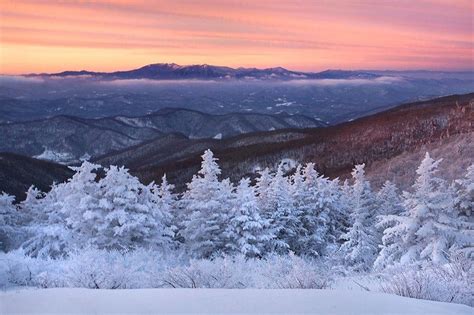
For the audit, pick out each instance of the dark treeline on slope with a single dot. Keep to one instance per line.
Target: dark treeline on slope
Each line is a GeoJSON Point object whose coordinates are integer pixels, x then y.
{"type": "Point", "coordinates": [18, 173]}
{"type": "Point", "coordinates": [306, 214]}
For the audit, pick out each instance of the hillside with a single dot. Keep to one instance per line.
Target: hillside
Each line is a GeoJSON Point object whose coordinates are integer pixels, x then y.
{"type": "Point", "coordinates": [391, 143]}
{"type": "Point", "coordinates": [68, 139]}
{"type": "Point", "coordinates": [18, 173]}
{"type": "Point", "coordinates": [335, 149]}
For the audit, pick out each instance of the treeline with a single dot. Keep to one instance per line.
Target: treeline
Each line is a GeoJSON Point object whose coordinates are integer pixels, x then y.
{"type": "Point", "coordinates": [303, 213]}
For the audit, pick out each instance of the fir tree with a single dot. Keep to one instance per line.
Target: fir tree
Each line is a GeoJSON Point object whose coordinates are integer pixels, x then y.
{"type": "Point", "coordinates": [464, 206]}
{"type": "Point", "coordinates": [9, 221]}
{"type": "Point", "coordinates": [207, 206]}
{"type": "Point", "coordinates": [360, 245]}
{"type": "Point", "coordinates": [425, 231]}
{"type": "Point", "coordinates": [284, 216]}
{"type": "Point", "coordinates": [247, 231]}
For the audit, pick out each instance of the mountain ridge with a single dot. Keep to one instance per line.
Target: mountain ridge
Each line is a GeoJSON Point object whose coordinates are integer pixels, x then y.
{"type": "Point", "coordinates": [172, 71]}
{"type": "Point", "coordinates": [68, 139]}
{"type": "Point", "coordinates": [335, 149]}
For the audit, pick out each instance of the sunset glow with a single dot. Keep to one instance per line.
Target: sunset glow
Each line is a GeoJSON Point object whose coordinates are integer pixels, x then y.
{"type": "Point", "coordinates": [50, 36]}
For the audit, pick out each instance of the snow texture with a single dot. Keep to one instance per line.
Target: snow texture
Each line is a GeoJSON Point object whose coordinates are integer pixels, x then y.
{"type": "Point", "coordinates": [217, 301]}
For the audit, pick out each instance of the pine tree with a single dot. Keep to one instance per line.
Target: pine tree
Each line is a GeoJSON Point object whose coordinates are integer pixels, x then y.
{"type": "Point", "coordinates": [206, 203]}
{"type": "Point", "coordinates": [314, 198]}
{"type": "Point", "coordinates": [464, 201]}
{"type": "Point", "coordinates": [55, 214]}
{"type": "Point", "coordinates": [9, 221]}
{"type": "Point", "coordinates": [425, 231]}
{"type": "Point", "coordinates": [360, 245]}
{"type": "Point", "coordinates": [464, 206]}
{"type": "Point", "coordinates": [263, 193]}
{"type": "Point", "coordinates": [126, 215]}
{"type": "Point", "coordinates": [165, 211]}
{"type": "Point", "coordinates": [247, 231]}
{"type": "Point", "coordinates": [389, 201]}
{"type": "Point", "coordinates": [284, 216]}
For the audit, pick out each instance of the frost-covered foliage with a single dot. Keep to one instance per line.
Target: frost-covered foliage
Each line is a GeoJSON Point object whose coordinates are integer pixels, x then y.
{"type": "Point", "coordinates": [429, 228]}
{"type": "Point", "coordinates": [464, 206]}
{"type": "Point", "coordinates": [389, 201]}
{"type": "Point", "coordinates": [297, 213]}
{"type": "Point", "coordinates": [8, 221]}
{"type": "Point", "coordinates": [360, 246]}
{"type": "Point", "coordinates": [452, 282]}
{"type": "Point", "coordinates": [111, 269]}
{"type": "Point", "coordinates": [207, 205]}
{"type": "Point", "coordinates": [316, 199]}
{"type": "Point", "coordinates": [114, 212]}
{"type": "Point", "coordinates": [283, 215]}
{"type": "Point", "coordinates": [247, 231]}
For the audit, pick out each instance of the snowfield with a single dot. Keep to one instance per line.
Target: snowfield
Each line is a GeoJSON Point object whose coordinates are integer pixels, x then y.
{"type": "Point", "coordinates": [217, 301]}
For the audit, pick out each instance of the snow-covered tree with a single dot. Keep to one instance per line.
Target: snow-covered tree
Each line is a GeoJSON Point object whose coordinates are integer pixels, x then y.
{"type": "Point", "coordinates": [126, 215]}
{"type": "Point", "coordinates": [247, 231]}
{"type": "Point", "coordinates": [206, 203]}
{"type": "Point", "coordinates": [284, 216]}
{"type": "Point", "coordinates": [389, 201]}
{"type": "Point", "coordinates": [360, 247]}
{"type": "Point", "coordinates": [53, 213]}
{"type": "Point", "coordinates": [9, 220]}
{"type": "Point", "coordinates": [314, 199]}
{"type": "Point", "coordinates": [115, 212]}
{"type": "Point", "coordinates": [262, 187]}
{"type": "Point", "coordinates": [464, 201]}
{"type": "Point", "coordinates": [425, 231]}
{"type": "Point", "coordinates": [464, 206]}
{"type": "Point", "coordinates": [165, 208]}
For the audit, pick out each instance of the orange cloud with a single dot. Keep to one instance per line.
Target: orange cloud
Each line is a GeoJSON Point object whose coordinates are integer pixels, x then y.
{"type": "Point", "coordinates": [37, 36]}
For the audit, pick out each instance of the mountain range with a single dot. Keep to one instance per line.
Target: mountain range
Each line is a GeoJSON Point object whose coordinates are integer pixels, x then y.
{"type": "Point", "coordinates": [172, 71]}
{"type": "Point", "coordinates": [68, 139]}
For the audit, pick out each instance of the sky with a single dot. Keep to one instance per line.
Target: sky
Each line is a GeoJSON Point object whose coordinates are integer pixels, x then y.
{"type": "Point", "coordinates": [307, 35]}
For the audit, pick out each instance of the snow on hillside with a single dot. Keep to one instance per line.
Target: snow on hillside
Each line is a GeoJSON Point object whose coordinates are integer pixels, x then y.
{"type": "Point", "coordinates": [217, 301]}
{"type": "Point", "coordinates": [59, 157]}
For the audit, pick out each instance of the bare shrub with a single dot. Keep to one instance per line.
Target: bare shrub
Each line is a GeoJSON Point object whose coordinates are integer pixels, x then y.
{"type": "Point", "coordinates": [453, 282]}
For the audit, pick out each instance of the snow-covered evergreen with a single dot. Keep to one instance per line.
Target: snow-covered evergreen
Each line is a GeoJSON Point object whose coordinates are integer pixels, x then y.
{"type": "Point", "coordinates": [9, 220]}
{"type": "Point", "coordinates": [284, 217]}
{"type": "Point", "coordinates": [389, 201]}
{"type": "Point", "coordinates": [248, 232]}
{"type": "Point", "coordinates": [207, 209]}
{"type": "Point", "coordinates": [464, 207]}
{"type": "Point", "coordinates": [315, 199]}
{"type": "Point", "coordinates": [360, 243]}
{"type": "Point", "coordinates": [262, 187]}
{"type": "Point", "coordinates": [126, 215]}
{"type": "Point", "coordinates": [165, 211]}
{"type": "Point", "coordinates": [303, 213]}
{"type": "Point", "coordinates": [427, 229]}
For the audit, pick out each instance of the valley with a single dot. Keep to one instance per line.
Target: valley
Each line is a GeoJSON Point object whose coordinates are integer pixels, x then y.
{"type": "Point", "coordinates": [171, 141]}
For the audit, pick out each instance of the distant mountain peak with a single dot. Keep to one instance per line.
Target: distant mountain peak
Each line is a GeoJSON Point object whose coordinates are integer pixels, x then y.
{"type": "Point", "coordinates": [173, 71]}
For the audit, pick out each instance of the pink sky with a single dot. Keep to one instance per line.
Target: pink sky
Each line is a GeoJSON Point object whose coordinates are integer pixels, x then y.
{"type": "Point", "coordinates": [49, 36]}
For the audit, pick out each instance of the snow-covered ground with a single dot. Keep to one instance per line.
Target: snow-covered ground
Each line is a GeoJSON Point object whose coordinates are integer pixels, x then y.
{"type": "Point", "coordinates": [217, 301]}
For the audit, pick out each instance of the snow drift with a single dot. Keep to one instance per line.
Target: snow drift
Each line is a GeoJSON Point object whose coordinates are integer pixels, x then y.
{"type": "Point", "coordinates": [217, 301]}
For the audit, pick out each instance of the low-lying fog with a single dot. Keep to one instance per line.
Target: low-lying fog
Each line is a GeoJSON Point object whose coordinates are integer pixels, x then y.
{"type": "Point", "coordinates": [330, 100]}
